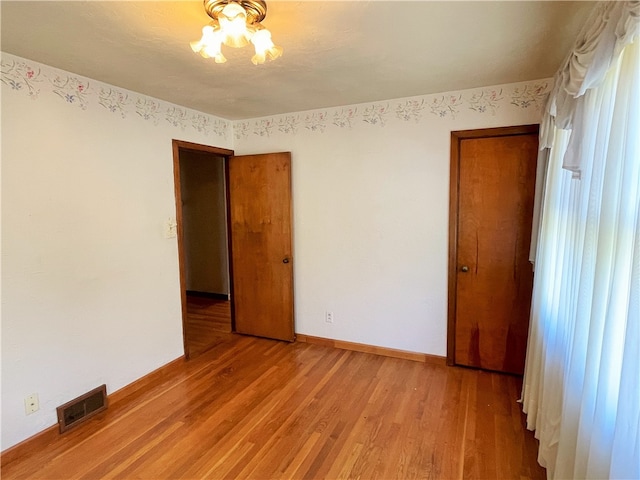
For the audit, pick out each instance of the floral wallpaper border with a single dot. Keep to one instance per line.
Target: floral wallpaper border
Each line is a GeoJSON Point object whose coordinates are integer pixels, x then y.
{"type": "Point", "coordinates": [35, 79]}
{"type": "Point", "coordinates": [484, 101]}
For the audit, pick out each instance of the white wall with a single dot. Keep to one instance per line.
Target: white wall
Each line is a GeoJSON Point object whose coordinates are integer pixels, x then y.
{"type": "Point", "coordinates": [90, 283]}
{"type": "Point", "coordinates": [370, 199]}
{"type": "Point", "coordinates": [90, 287]}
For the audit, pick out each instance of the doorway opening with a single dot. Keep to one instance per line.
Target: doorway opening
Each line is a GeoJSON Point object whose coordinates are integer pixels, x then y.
{"type": "Point", "coordinates": [201, 179]}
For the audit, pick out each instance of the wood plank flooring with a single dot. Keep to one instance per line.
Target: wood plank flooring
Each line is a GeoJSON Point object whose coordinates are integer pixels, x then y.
{"type": "Point", "coordinates": [206, 318]}
{"type": "Point", "coordinates": [262, 409]}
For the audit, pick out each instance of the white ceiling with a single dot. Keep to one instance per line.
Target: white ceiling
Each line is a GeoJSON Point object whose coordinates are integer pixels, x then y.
{"type": "Point", "coordinates": [335, 52]}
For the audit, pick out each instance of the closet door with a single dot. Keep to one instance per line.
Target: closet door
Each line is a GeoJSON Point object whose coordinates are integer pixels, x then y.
{"type": "Point", "coordinates": [492, 192]}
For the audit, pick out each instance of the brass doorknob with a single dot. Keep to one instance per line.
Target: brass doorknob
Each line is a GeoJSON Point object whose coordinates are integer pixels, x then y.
{"type": "Point", "coordinates": [464, 268]}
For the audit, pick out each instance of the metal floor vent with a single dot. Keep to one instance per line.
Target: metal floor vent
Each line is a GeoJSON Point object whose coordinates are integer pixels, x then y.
{"type": "Point", "coordinates": [82, 408]}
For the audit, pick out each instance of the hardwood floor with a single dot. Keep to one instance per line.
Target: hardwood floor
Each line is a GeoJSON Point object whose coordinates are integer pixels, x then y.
{"type": "Point", "coordinates": [206, 318]}
{"type": "Point", "coordinates": [262, 409]}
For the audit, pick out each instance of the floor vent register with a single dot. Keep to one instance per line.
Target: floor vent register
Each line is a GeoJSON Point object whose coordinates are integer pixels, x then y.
{"type": "Point", "coordinates": [82, 408]}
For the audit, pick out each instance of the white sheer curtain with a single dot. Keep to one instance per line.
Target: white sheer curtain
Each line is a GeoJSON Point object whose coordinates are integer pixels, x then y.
{"type": "Point", "coordinates": [581, 387]}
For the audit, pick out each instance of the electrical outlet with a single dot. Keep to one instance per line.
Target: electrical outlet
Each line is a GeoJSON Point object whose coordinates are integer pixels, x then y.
{"type": "Point", "coordinates": [328, 317]}
{"type": "Point", "coordinates": [31, 404]}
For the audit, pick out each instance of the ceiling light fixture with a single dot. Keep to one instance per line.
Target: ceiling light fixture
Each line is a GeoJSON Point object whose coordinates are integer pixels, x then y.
{"type": "Point", "coordinates": [236, 23]}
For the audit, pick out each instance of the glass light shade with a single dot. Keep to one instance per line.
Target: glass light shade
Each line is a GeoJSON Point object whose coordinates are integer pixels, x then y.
{"type": "Point", "coordinates": [235, 26]}
{"type": "Point", "coordinates": [264, 47]}
{"type": "Point", "coordinates": [213, 51]}
{"type": "Point", "coordinates": [209, 46]}
{"type": "Point", "coordinates": [233, 23]}
{"type": "Point", "coordinates": [198, 45]}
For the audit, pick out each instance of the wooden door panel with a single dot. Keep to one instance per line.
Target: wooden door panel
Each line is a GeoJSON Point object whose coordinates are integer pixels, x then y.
{"type": "Point", "coordinates": [261, 245]}
{"type": "Point", "coordinates": [496, 179]}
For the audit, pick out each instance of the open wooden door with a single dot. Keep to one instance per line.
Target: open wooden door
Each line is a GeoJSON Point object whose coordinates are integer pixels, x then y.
{"type": "Point", "coordinates": [490, 277]}
{"type": "Point", "coordinates": [260, 217]}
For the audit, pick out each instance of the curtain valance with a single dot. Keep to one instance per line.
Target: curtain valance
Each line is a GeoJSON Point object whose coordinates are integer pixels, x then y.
{"type": "Point", "coordinates": [611, 26]}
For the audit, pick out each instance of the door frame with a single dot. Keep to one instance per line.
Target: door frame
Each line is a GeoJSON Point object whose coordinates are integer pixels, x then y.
{"type": "Point", "coordinates": [454, 187]}
{"type": "Point", "coordinates": [178, 147]}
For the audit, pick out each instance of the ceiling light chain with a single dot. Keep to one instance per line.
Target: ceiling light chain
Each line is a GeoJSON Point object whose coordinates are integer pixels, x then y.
{"type": "Point", "coordinates": [236, 23]}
